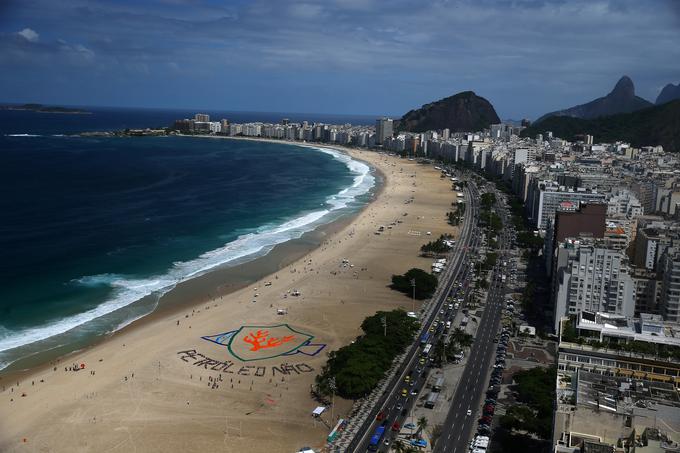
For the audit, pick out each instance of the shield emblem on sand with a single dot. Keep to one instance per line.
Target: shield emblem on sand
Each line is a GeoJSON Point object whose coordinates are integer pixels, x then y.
{"type": "Point", "coordinates": [264, 342]}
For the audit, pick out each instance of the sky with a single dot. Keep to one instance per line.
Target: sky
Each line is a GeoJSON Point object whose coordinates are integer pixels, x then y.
{"type": "Point", "coordinates": [376, 57]}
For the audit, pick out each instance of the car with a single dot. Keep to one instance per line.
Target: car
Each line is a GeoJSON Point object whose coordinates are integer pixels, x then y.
{"type": "Point", "coordinates": [399, 406]}
{"type": "Point", "coordinates": [422, 361]}
{"type": "Point", "coordinates": [407, 379]}
{"type": "Point", "coordinates": [387, 442]}
{"type": "Point", "coordinates": [469, 412]}
{"type": "Point", "coordinates": [396, 426]}
{"type": "Point", "coordinates": [414, 391]}
{"type": "Point", "coordinates": [380, 416]}
{"type": "Point", "coordinates": [404, 411]}
{"type": "Point", "coordinates": [485, 419]}
{"type": "Point", "coordinates": [404, 392]}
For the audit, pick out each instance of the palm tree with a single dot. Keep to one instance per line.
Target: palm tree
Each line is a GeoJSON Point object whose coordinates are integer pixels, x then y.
{"type": "Point", "coordinates": [422, 424]}
{"type": "Point", "coordinates": [398, 446]}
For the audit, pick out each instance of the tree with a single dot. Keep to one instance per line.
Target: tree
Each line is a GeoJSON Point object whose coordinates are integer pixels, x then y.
{"type": "Point", "coordinates": [425, 284]}
{"type": "Point", "coordinates": [422, 424]}
{"type": "Point", "coordinates": [358, 367]}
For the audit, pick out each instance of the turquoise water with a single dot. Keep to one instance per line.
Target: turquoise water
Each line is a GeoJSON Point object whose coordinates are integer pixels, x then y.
{"type": "Point", "coordinates": [95, 230]}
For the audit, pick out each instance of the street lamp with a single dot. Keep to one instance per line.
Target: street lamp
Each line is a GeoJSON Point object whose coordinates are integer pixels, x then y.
{"type": "Point", "coordinates": [332, 387]}
{"type": "Point", "coordinates": [413, 284]}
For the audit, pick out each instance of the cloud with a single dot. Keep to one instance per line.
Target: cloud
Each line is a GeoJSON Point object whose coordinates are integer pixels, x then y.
{"type": "Point", "coordinates": [29, 35]}
{"type": "Point", "coordinates": [526, 56]}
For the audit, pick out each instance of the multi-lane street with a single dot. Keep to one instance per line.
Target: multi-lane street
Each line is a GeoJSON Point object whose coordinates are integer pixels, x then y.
{"type": "Point", "coordinates": [393, 410]}
{"type": "Point", "coordinates": [464, 412]}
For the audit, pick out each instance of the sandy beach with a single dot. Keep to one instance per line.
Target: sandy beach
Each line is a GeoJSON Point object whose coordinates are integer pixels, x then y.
{"type": "Point", "coordinates": [158, 385]}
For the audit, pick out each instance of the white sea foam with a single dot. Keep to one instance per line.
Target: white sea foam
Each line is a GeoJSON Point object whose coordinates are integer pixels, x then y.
{"type": "Point", "coordinates": [22, 135]}
{"type": "Point", "coordinates": [245, 247]}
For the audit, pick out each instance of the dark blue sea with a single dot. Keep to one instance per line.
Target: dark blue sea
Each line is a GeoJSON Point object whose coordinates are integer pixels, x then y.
{"type": "Point", "coordinates": [95, 230]}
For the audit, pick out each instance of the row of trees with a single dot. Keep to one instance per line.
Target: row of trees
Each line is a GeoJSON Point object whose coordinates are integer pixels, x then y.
{"type": "Point", "coordinates": [357, 368]}
{"type": "Point", "coordinates": [456, 215]}
{"type": "Point", "coordinates": [437, 247]}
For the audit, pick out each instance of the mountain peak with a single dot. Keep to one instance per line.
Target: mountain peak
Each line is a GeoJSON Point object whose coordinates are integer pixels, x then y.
{"type": "Point", "coordinates": [669, 93]}
{"type": "Point", "coordinates": [462, 112]}
{"type": "Point", "coordinates": [624, 88]}
{"type": "Point", "coordinates": [621, 99]}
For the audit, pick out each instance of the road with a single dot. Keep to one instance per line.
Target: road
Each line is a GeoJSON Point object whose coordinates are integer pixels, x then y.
{"type": "Point", "coordinates": [394, 405]}
{"type": "Point", "coordinates": [459, 427]}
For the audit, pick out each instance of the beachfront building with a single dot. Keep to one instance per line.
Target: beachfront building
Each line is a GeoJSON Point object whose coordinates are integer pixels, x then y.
{"type": "Point", "coordinates": [670, 287]}
{"type": "Point", "coordinates": [617, 414]}
{"type": "Point", "coordinates": [590, 277]}
{"type": "Point", "coordinates": [545, 197]}
{"type": "Point", "coordinates": [614, 375]}
{"type": "Point", "coordinates": [383, 129]}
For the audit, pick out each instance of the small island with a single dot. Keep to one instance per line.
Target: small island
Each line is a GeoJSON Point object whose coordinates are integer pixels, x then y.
{"type": "Point", "coordinates": [45, 109]}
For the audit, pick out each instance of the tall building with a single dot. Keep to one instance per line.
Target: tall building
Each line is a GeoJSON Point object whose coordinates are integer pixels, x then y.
{"type": "Point", "coordinates": [545, 198]}
{"type": "Point", "coordinates": [587, 220]}
{"type": "Point", "coordinates": [202, 117]}
{"type": "Point", "coordinates": [383, 129]}
{"type": "Point", "coordinates": [590, 278]}
{"type": "Point", "coordinates": [670, 285]}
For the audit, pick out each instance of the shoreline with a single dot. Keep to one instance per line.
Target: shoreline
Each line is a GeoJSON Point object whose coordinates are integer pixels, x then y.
{"type": "Point", "coordinates": [149, 385]}
{"type": "Point", "coordinates": [202, 288]}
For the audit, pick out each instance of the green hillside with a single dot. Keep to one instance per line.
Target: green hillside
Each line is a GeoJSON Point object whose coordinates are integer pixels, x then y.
{"type": "Point", "coordinates": [659, 125]}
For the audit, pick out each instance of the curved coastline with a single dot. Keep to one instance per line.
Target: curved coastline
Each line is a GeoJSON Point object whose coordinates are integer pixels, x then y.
{"type": "Point", "coordinates": [305, 233]}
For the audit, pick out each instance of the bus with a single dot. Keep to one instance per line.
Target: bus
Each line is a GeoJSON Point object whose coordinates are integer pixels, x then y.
{"type": "Point", "coordinates": [424, 338]}
{"type": "Point", "coordinates": [426, 349]}
{"type": "Point", "coordinates": [376, 438]}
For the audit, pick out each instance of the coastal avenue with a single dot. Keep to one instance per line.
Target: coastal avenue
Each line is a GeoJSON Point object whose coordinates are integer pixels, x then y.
{"type": "Point", "coordinates": [458, 427]}
{"type": "Point", "coordinates": [393, 405]}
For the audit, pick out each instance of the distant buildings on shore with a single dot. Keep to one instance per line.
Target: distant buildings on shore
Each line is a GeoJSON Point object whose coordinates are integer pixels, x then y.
{"type": "Point", "coordinates": [609, 217]}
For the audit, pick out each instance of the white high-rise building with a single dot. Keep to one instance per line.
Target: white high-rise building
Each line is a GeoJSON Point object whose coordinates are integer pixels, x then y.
{"type": "Point", "coordinates": [592, 278]}
{"type": "Point", "coordinates": [670, 286]}
{"type": "Point", "coordinates": [383, 129]}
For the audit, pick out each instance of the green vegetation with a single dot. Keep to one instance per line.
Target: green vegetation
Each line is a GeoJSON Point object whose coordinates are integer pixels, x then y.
{"type": "Point", "coordinates": [425, 283]}
{"type": "Point", "coordinates": [571, 335]}
{"type": "Point", "coordinates": [358, 367]}
{"type": "Point", "coordinates": [488, 200]}
{"type": "Point", "coordinates": [490, 261]}
{"type": "Point", "coordinates": [536, 392]}
{"type": "Point", "coordinates": [659, 125]}
{"type": "Point", "coordinates": [455, 216]}
{"type": "Point", "coordinates": [437, 247]}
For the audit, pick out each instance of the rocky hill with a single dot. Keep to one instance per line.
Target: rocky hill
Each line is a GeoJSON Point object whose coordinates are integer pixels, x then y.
{"type": "Point", "coordinates": [658, 125]}
{"type": "Point", "coordinates": [621, 99]}
{"type": "Point", "coordinates": [669, 93]}
{"type": "Point", "coordinates": [462, 112]}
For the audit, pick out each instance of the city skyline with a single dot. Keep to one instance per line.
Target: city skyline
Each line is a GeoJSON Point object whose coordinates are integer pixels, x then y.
{"type": "Point", "coordinates": [346, 57]}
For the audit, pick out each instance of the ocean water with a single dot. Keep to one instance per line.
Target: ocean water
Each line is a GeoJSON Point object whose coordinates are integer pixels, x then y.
{"type": "Point", "coordinates": [95, 230]}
